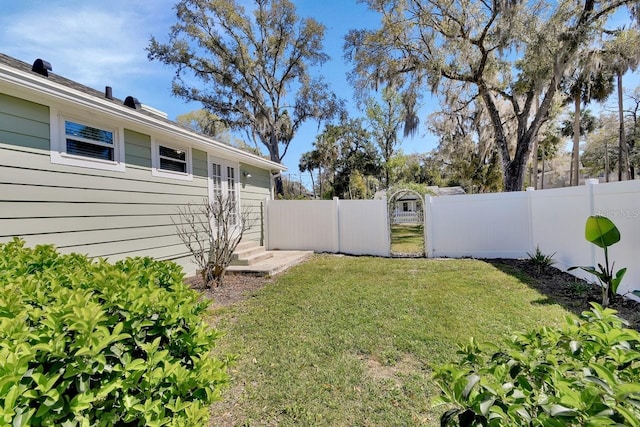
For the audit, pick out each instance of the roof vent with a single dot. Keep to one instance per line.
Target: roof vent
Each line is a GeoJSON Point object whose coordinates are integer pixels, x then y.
{"type": "Point", "coordinates": [41, 67]}
{"type": "Point", "coordinates": [132, 102]}
{"type": "Point", "coordinates": [108, 92]}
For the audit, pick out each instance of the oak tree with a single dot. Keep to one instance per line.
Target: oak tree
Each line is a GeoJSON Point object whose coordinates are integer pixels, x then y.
{"type": "Point", "coordinates": [251, 67]}
{"type": "Point", "coordinates": [513, 51]}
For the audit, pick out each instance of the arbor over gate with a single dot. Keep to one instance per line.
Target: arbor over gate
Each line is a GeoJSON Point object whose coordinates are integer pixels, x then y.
{"type": "Point", "coordinates": [405, 209]}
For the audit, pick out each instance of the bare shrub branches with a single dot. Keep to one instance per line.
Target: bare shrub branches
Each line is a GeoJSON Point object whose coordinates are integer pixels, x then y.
{"type": "Point", "coordinates": [211, 231]}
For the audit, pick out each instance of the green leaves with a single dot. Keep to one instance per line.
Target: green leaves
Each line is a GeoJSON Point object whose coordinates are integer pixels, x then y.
{"type": "Point", "coordinates": [601, 231]}
{"type": "Point", "coordinates": [587, 373]}
{"type": "Point", "coordinates": [85, 342]}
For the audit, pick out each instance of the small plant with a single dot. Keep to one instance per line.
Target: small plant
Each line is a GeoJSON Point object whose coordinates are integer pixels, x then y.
{"type": "Point", "coordinates": [540, 260]}
{"type": "Point", "coordinates": [602, 232]}
{"type": "Point", "coordinates": [211, 231]}
{"type": "Point", "coordinates": [585, 373]}
{"type": "Point", "coordinates": [579, 288]}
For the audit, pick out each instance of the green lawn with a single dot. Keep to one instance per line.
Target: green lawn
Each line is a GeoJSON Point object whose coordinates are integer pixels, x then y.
{"type": "Point", "coordinates": [407, 239]}
{"type": "Point", "coordinates": [343, 341]}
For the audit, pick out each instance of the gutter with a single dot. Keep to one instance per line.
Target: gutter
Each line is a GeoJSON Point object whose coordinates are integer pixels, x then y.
{"type": "Point", "coordinates": [37, 88]}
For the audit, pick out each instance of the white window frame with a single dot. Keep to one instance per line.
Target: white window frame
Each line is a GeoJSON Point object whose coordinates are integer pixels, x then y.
{"type": "Point", "coordinates": [58, 146]}
{"type": "Point", "coordinates": [164, 173]}
{"type": "Point", "coordinates": [225, 180]}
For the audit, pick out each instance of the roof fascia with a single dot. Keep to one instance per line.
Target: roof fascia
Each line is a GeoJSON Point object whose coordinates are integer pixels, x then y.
{"type": "Point", "coordinates": [48, 90]}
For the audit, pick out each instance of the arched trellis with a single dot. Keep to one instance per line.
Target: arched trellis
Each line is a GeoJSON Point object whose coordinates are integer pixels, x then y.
{"type": "Point", "coordinates": [399, 217]}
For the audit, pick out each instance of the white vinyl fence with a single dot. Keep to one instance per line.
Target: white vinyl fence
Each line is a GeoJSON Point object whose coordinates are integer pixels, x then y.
{"type": "Point", "coordinates": [498, 225]}
{"type": "Point", "coordinates": [508, 225]}
{"type": "Point", "coordinates": [356, 227]}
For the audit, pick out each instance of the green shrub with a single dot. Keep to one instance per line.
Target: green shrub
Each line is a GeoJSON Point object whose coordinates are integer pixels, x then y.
{"type": "Point", "coordinates": [584, 374]}
{"type": "Point", "coordinates": [84, 342]}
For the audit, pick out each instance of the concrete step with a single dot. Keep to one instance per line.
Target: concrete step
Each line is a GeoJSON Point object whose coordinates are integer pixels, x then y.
{"type": "Point", "coordinates": [247, 252]}
{"type": "Point", "coordinates": [278, 262]}
{"type": "Point", "coordinates": [252, 258]}
{"type": "Point", "coordinates": [245, 244]}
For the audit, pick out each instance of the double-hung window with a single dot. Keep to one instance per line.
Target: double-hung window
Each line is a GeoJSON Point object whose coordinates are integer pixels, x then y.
{"type": "Point", "coordinates": [88, 141]}
{"type": "Point", "coordinates": [171, 161]}
{"type": "Point", "coordinates": [79, 142]}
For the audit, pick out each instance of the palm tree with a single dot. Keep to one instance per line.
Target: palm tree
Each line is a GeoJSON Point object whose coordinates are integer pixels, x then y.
{"type": "Point", "coordinates": [308, 163]}
{"type": "Point", "coordinates": [586, 124]}
{"type": "Point", "coordinates": [590, 82]}
{"type": "Point", "coordinates": [622, 53]}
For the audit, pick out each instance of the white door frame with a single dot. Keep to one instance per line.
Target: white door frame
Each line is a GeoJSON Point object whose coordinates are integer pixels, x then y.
{"type": "Point", "coordinates": [225, 165]}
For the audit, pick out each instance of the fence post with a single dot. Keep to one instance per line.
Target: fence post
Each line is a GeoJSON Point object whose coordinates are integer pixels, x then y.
{"type": "Point", "coordinates": [532, 237]}
{"type": "Point", "coordinates": [428, 226]}
{"type": "Point", "coordinates": [336, 236]}
{"type": "Point", "coordinates": [590, 183]}
{"type": "Point", "coordinates": [266, 224]}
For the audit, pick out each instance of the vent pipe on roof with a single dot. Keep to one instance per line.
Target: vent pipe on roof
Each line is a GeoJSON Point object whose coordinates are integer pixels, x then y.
{"type": "Point", "coordinates": [132, 102]}
{"type": "Point", "coordinates": [41, 67]}
{"type": "Point", "coordinates": [108, 92]}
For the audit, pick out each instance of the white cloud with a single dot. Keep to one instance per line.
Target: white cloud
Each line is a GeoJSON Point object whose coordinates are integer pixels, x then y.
{"type": "Point", "coordinates": [90, 42]}
{"type": "Point", "coordinates": [95, 43]}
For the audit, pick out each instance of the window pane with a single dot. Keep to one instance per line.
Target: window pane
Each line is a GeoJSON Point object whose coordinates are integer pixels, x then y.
{"type": "Point", "coordinates": [174, 154]}
{"type": "Point", "coordinates": [173, 165]}
{"type": "Point", "coordinates": [88, 132]}
{"type": "Point", "coordinates": [87, 149]}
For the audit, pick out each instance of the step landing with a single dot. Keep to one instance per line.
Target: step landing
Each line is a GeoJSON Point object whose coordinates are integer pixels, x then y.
{"type": "Point", "coordinates": [250, 258]}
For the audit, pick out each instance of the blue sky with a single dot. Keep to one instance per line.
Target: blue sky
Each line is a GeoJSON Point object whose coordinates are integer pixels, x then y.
{"type": "Point", "coordinates": [101, 43]}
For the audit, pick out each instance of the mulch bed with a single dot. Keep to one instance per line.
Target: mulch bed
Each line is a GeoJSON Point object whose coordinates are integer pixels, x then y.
{"type": "Point", "coordinates": [566, 290]}
{"type": "Point", "coordinates": [235, 288]}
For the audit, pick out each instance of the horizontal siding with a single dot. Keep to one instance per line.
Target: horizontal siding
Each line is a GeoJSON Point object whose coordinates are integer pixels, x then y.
{"type": "Point", "coordinates": [199, 164]}
{"type": "Point", "coordinates": [21, 108]}
{"type": "Point", "coordinates": [95, 212]}
{"type": "Point", "coordinates": [253, 192]}
{"type": "Point", "coordinates": [137, 149]}
{"type": "Point", "coordinates": [72, 224]}
{"type": "Point", "coordinates": [29, 209]}
{"type": "Point", "coordinates": [23, 123]}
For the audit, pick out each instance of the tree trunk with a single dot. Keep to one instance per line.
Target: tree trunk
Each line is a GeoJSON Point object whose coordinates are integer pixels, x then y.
{"type": "Point", "coordinates": [542, 178]}
{"type": "Point", "coordinates": [274, 155]}
{"type": "Point", "coordinates": [313, 186]}
{"type": "Point", "coordinates": [514, 175]}
{"type": "Point", "coordinates": [535, 150]}
{"type": "Point", "coordinates": [606, 160]}
{"type": "Point", "coordinates": [622, 152]}
{"type": "Point", "coordinates": [534, 167]}
{"type": "Point", "coordinates": [575, 178]}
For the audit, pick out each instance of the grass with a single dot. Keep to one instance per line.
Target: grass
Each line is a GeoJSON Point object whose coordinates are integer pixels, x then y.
{"type": "Point", "coordinates": [345, 341]}
{"type": "Point", "coordinates": [407, 238]}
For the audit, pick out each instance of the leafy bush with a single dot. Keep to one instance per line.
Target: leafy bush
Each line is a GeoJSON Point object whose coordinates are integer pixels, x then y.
{"type": "Point", "coordinates": [85, 342]}
{"type": "Point", "coordinates": [586, 373]}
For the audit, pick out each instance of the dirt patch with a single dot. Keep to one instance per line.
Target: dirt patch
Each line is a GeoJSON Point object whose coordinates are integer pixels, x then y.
{"type": "Point", "coordinates": [235, 288]}
{"type": "Point", "coordinates": [566, 290]}
{"type": "Point", "coordinates": [381, 372]}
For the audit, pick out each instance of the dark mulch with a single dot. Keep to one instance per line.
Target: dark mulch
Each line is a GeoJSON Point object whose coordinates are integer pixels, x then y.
{"type": "Point", "coordinates": [566, 290]}
{"type": "Point", "coordinates": [235, 287]}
